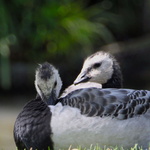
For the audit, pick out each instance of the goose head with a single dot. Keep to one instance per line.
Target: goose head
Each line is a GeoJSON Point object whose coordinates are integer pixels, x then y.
{"type": "Point", "coordinates": [48, 82]}
{"type": "Point", "coordinates": [103, 68]}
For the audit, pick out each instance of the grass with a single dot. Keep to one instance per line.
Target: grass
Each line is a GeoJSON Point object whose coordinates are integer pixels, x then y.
{"type": "Point", "coordinates": [136, 147]}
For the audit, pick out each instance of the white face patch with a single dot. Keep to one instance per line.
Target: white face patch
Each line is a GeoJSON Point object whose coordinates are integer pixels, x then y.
{"type": "Point", "coordinates": [102, 73]}
{"type": "Point", "coordinates": [45, 87]}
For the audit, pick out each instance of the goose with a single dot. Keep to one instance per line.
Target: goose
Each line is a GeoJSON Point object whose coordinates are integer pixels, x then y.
{"type": "Point", "coordinates": [85, 116]}
{"type": "Point", "coordinates": [100, 70]}
{"type": "Point", "coordinates": [101, 67]}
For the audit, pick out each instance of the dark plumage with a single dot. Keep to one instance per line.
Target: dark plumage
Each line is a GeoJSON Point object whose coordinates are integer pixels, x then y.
{"type": "Point", "coordinates": [117, 103]}
{"type": "Point", "coordinates": [116, 80]}
{"type": "Point", "coordinates": [31, 129]}
{"type": "Point", "coordinates": [45, 71]}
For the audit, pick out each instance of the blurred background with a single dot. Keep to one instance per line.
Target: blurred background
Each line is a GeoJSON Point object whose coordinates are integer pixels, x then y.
{"type": "Point", "coordinates": [64, 33]}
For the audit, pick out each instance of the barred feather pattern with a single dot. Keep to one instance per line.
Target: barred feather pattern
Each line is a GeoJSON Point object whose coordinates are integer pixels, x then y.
{"type": "Point", "coordinates": [117, 103]}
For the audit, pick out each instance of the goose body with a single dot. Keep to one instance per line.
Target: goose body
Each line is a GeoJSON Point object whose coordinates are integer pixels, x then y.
{"type": "Point", "coordinates": [105, 116]}
{"type": "Point", "coordinates": [71, 128]}
{"type": "Point", "coordinates": [83, 117]}
{"type": "Point", "coordinates": [73, 87]}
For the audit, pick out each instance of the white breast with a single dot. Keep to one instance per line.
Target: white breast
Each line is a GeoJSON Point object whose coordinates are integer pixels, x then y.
{"type": "Point", "coordinates": [69, 127]}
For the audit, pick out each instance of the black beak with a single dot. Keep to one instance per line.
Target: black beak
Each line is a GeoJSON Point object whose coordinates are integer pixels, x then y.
{"type": "Point", "coordinates": [51, 100]}
{"type": "Point", "coordinates": [82, 77]}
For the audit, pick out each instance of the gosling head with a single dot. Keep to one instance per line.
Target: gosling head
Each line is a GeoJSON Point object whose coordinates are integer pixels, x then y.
{"type": "Point", "coordinates": [102, 68]}
{"type": "Point", "coordinates": [48, 82]}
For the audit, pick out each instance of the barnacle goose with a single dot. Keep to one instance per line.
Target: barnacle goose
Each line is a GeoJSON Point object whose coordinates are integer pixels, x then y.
{"type": "Point", "coordinates": [85, 116]}
{"type": "Point", "coordinates": [100, 70]}
{"type": "Point", "coordinates": [101, 67]}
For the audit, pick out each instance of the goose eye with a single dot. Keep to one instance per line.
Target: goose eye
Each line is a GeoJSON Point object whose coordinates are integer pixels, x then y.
{"type": "Point", "coordinates": [96, 65]}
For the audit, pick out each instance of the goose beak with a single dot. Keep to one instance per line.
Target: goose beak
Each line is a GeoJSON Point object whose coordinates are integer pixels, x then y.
{"type": "Point", "coordinates": [82, 77]}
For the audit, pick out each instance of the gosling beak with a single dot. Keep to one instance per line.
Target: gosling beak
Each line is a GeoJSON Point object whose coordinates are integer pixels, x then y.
{"type": "Point", "coordinates": [51, 100]}
{"type": "Point", "coordinates": [82, 77]}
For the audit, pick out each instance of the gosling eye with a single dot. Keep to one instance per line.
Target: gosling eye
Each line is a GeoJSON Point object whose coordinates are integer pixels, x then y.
{"type": "Point", "coordinates": [96, 65]}
{"type": "Point", "coordinates": [55, 84]}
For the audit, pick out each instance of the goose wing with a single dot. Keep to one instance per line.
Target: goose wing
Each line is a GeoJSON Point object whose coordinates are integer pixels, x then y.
{"type": "Point", "coordinates": [32, 128]}
{"type": "Point", "coordinates": [118, 103]}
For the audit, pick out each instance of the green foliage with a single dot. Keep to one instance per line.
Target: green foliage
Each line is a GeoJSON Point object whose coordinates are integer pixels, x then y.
{"type": "Point", "coordinates": [46, 28]}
